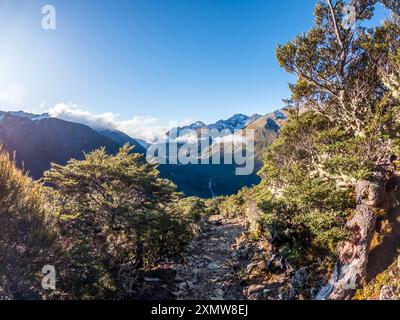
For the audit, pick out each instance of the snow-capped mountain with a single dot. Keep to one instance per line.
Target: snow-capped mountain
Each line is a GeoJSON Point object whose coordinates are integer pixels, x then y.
{"type": "Point", "coordinates": [22, 114]}
{"type": "Point", "coordinates": [114, 135]}
{"type": "Point", "coordinates": [236, 122]}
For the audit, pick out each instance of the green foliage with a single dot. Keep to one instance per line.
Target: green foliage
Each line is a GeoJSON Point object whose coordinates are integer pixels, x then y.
{"type": "Point", "coordinates": [341, 75]}
{"type": "Point", "coordinates": [347, 80]}
{"type": "Point", "coordinates": [27, 233]}
{"type": "Point", "coordinates": [193, 209]}
{"type": "Point", "coordinates": [308, 212]}
{"type": "Point", "coordinates": [304, 197]}
{"type": "Point", "coordinates": [116, 217]}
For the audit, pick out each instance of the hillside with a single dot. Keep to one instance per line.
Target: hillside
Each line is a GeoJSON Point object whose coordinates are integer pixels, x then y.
{"type": "Point", "coordinates": [37, 143]}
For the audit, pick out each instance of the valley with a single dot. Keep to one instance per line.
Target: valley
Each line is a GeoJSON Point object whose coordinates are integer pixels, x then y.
{"type": "Point", "coordinates": [39, 140]}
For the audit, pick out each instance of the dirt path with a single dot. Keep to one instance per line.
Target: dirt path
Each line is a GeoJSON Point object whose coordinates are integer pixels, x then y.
{"type": "Point", "coordinates": [213, 262]}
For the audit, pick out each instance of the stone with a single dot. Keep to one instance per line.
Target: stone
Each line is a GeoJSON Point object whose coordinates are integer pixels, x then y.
{"type": "Point", "coordinates": [299, 280]}
{"type": "Point", "coordinates": [151, 279]}
{"type": "Point", "coordinates": [213, 266]}
{"type": "Point", "coordinates": [265, 293]}
{"type": "Point", "coordinates": [255, 288]}
{"type": "Point", "coordinates": [190, 284]}
{"type": "Point", "coordinates": [182, 286]}
{"type": "Point", "coordinates": [180, 293]}
{"type": "Point", "coordinates": [388, 293]}
{"type": "Point", "coordinates": [219, 292]}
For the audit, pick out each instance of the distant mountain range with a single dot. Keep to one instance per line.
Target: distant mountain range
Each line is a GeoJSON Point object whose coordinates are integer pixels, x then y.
{"type": "Point", "coordinates": [39, 140]}
{"type": "Point", "coordinates": [236, 122]}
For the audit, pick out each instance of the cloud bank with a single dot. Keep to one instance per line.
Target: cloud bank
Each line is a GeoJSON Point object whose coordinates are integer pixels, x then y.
{"type": "Point", "coordinates": [146, 128]}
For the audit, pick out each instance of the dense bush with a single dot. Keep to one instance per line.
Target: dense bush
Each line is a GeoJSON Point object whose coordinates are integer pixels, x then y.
{"type": "Point", "coordinates": [99, 222]}
{"type": "Point", "coordinates": [311, 201]}
{"type": "Point", "coordinates": [116, 216]}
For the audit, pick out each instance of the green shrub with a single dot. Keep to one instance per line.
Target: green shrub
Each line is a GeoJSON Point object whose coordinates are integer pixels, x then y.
{"type": "Point", "coordinates": [116, 217]}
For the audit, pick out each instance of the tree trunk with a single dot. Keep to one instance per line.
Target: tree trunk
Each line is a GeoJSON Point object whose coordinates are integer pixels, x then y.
{"type": "Point", "coordinates": [351, 269]}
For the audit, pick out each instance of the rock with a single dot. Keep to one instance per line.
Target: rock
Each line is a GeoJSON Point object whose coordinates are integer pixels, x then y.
{"type": "Point", "coordinates": [213, 266]}
{"type": "Point", "coordinates": [254, 297]}
{"type": "Point", "coordinates": [180, 293]}
{"type": "Point", "coordinates": [219, 292]}
{"type": "Point", "coordinates": [255, 288]}
{"type": "Point", "coordinates": [265, 293]}
{"type": "Point", "coordinates": [182, 286]}
{"type": "Point", "coordinates": [278, 263]}
{"type": "Point", "coordinates": [151, 279]}
{"type": "Point", "coordinates": [179, 279]}
{"type": "Point", "coordinates": [196, 271]}
{"type": "Point", "coordinates": [298, 282]}
{"type": "Point", "coordinates": [313, 292]}
{"type": "Point", "coordinates": [218, 295]}
{"type": "Point", "coordinates": [190, 284]}
{"type": "Point", "coordinates": [388, 293]}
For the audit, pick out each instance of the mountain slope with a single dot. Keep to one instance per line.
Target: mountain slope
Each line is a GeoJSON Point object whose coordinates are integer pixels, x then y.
{"type": "Point", "coordinates": [210, 180]}
{"type": "Point", "coordinates": [37, 143]}
{"type": "Point", "coordinates": [121, 138]}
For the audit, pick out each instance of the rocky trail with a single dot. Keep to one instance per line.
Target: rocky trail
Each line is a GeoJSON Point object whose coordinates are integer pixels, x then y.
{"type": "Point", "coordinates": [222, 263]}
{"type": "Point", "coordinates": [212, 263]}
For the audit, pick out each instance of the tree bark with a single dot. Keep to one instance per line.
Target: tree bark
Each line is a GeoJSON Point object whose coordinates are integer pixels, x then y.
{"type": "Point", "coordinates": [351, 269]}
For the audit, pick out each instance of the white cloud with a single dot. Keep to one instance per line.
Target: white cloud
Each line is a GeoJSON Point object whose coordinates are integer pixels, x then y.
{"type": "Point", "coordinates": [146, 128]}
{"type": "Point", "coordinates": [13, 95]}
{"type": "Point", "coordinates": [74, 113]}
{"type": "Point", "coordinates": [230, 139]}
{"type": "Point", "coordinates": [140, 127]}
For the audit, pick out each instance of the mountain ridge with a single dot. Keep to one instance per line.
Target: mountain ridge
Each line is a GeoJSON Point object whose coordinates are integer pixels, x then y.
{"type": "Point", "coordinates": [39, 140]}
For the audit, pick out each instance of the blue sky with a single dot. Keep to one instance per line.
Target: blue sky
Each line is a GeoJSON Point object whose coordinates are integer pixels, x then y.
{"type": "Point", "coordinates": [166, 59]}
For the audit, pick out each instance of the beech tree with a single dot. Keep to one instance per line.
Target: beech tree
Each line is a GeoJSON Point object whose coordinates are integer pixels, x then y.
{"type": "Point", "coordinates": [348, 73]}
{"type": "Point", "coordinates": [115, 219]}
